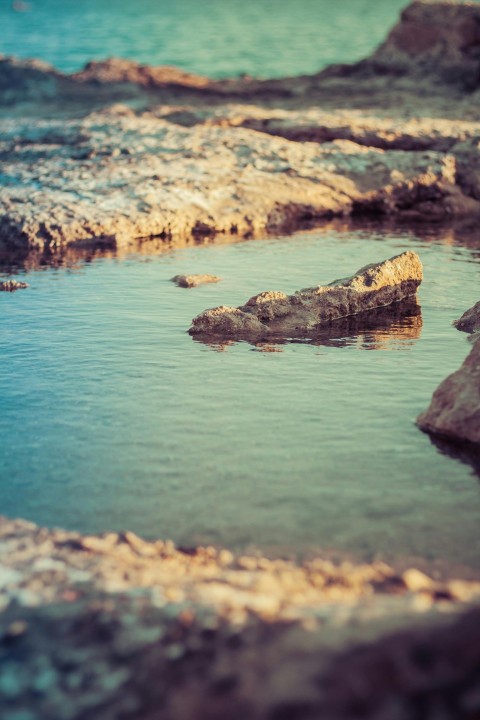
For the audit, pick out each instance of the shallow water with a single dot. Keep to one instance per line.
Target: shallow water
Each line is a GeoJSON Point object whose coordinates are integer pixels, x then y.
{"type": "Point", "coordinates": [111, 416]}
{"type": "Point", "coordinates": [214, 37]}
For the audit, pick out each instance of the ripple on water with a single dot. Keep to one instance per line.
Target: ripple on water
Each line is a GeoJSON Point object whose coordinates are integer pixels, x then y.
{"type": "Point", "coordinates": [111, 416]}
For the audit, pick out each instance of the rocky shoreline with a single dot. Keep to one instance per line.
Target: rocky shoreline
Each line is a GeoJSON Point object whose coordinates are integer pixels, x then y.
{"type": "Point", "coordinates": [122, 155]}
{"type": "Point", "coordinates": [115, 626]}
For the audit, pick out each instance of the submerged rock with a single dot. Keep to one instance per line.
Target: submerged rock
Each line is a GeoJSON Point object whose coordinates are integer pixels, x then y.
{"type": "Point", "coordinates": [275, 313]}
{"type": "Point", "coordinates": [12, 285]}
{"type": "Point", "coordinates": [190, 281]}
{"type": "Point", "coordinates": [470, 320]}
{"type": "Point", "coordinates": [455, 408]}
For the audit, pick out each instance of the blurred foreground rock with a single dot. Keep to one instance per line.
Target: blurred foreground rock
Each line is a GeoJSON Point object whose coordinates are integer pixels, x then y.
{"type": "Point", "coordinates": [275, 313]}
{"type": "Point", "coordinates": [113, 626]}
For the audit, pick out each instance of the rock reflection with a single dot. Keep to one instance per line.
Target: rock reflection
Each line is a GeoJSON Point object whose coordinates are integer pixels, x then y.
{"type": "Point", "coordinates": [394, 327]}
{"type": "Point", "coordinates": [467, 453]}
{"type": "Point", "coordinates": [17, 259]}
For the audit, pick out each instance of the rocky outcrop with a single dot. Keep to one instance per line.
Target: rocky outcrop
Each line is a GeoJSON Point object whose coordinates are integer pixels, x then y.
{"type": "Point", "coordinates": [160, 153]}
{"type": "Point", "coordinates": [12, 285]}
{"type": "Point", "coordinates": [115, 179]}
{"type": "Point", "coordinates": [190, 281]}
{"type": "Point", "coordinates": [470, 320]}
{"type": "Point", "coordinates": [86, 622]}
{"type": "Point", "coordinates": [275, 313]}
{"type": "Point", "coordinates": [432, 51]}
{"type": "Point", "coordinates": [440, 38]}
{"type": "Point", "coordinates": [455, 408]}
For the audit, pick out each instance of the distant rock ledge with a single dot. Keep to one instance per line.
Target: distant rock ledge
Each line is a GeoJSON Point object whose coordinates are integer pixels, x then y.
{"type": "Point", "coordinates": [121, 153]}
{"type": "Point", "coordinates": [275, 313]}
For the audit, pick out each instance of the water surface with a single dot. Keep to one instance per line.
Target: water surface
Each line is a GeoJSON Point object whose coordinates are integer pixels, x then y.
{"type": "Point", "coordinates": [214, 37]}
{"type": "Point", "coordinates": [111, 416]}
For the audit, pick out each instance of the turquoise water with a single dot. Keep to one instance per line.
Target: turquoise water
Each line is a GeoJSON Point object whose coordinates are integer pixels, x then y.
{"type": "Point", "coordinates": [112, 416]}
{"type": "Point", "coordinates": [214, 37]}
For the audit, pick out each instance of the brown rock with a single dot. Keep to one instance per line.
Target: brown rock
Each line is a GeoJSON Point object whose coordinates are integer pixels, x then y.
{"type": "Point", "coordinates": [190, 281]}
{"type": "Point", "coordinates": [434, 37]}
{"type": "Point", "coordinates": [455, 408]}
{"type": "Point", "coordinates": [271, 313]}
{"type": "Point", "coordinates": [470, 320]}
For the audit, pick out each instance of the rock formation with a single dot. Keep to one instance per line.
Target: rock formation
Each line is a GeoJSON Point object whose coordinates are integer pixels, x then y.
{"type": "Point", "coordinates": [455, 408]}
{"type": "Point", "coordinates": [275, 313]}
{"type": "Point", "coordinates": [470, 320]}
{"type": "Point", "coordinates": [437, 38]}
{"type": "Point", "coordinates": [188, 156]}
{"type": "Point", "coordinates": [172, 181]}
{"type": "Point", "coordinates": [190, 281]}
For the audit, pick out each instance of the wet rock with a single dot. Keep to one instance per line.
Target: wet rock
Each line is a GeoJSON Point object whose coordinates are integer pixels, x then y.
{"type": "Point", "coordinates": [455, 408]}
{"type": "Point", "coordinates": [190, 281]}
{"type": "Point", "coordinates": [470, 320]}
{"type": "Point", "coordinates": [12, 285]}
{"type": "Point", "coordinates": [275, 313]}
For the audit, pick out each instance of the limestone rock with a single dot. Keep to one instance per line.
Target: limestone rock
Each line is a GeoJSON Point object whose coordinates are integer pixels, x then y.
{"type": "Point", "coordinates": [190, 281]}
{"type": "Point", "coordinates": [455, 408]}
{"type": "Point", "coordinates": [174, 182]}
{"type": "Point", "coordinates": [275, 313]}
{"type": "Point", "coordinates": [470, 320]}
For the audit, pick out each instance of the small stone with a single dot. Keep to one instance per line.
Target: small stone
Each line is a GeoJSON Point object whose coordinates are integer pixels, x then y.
{"type": "Point", "coordinates": [416, 581]}
{"type": "Point", "coordinates": [12, 285]}
{"type": "Point", "coordinates": [190, 281]}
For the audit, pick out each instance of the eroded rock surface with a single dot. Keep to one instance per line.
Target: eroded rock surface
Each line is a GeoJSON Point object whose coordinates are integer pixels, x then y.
{"type": "Point", "coordinates": [191, 281]}
{"type": "Point", "coordinates": [455, 408]}
{"type": "Point", "coordinates": [113, 180]}
{"type": "Point", "coordinates": [121, 152]}
{"type": "Point", "coordinates": [308, 310]}
{"type": "Point", "coordinates": [113, 625]}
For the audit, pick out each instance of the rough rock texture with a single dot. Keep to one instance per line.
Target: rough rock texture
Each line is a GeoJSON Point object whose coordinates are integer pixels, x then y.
{"type": "Point", "coordinates": [470, 320]}
{"type": "Point", "coordinates": [126, 152]}
{"type": "Point", "coordinates": [115, 179]}
{"type": "Point", "coordinates": [308, 310]}
{"type": "Point", "coordinates": [113, 626]}
{"type": "Point", "coordinates": [190, 281]}
{"type": "Point", "coordinates": [455, 408]}
{"type": "Point", "coordinates": [12, 285]}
